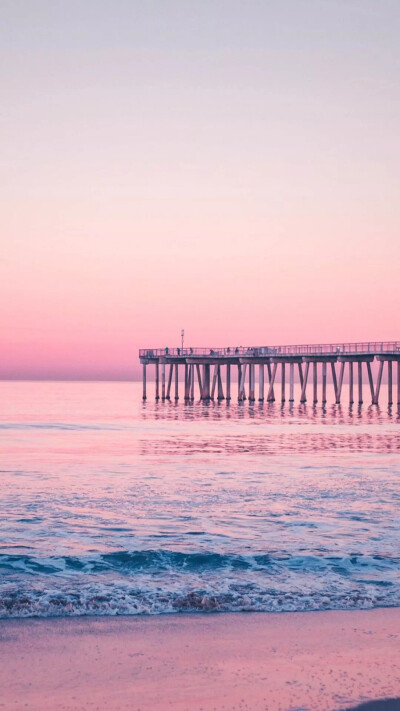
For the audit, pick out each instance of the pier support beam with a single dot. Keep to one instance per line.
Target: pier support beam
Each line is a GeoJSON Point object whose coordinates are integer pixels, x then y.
{"type": "Point", "coordinates": [315, 383]}
{"type": "Point", "coordinates": [170, 374]}
{"type": "Point", "coordinates": [176, 381]}
{"type": "Point", "coordinates": [199, 379]}
{"type": "Point", "coordinates": [206, 381]}
{"type": "Point", "coordinates": [192, 382]}
{"type": "Point", "coordinates": [283, 382]}
{"type": "Point", "coordinates": [378, 383]}
{"type": "Point", "coordinates": [242, 387]}
{"type": "Point", "coordinates": [351, 383]}
{"type": "Point", "coordinates": [324, 368]}
{"type": "Point", "coordinates": [340, 383]}
{"type": "Point", "coordinates": [219, 383]}
{"type": "Point", "coordinates": [228, 381]}
{"type": "Point", "coordinates": [270, 396]}
{"type": "Point", "coordinates": [163, 381]}
{"type": "Point", "coordinates": [157, 381]}
{"type": "Point", "coordinates": [187, 382]}
{"type": "Point", "coordinates": [371, 382]}
{"type": "Point", "coordinates": [390, 382]}
{"type": "Point", "coordinates": [144, 382]}
{"type": "Point", "coordinates": [334, 380]}
{"type": "Point", "coordinates": [252, 396]}
{"type": "Point", "coordinates": [214, 381]}
{"type": "Point", "coordinates": [301, 377]}
{"type": "Point", "coordinates": [360, 383]}
{"type": "Point", "coordinates": [291, 382]}
{"type": "Point", "coordinates": [398, 382]}
{"type": "Point", "coordinates": [261, 382]}
{"type": "Point", "coordinates": [303, 397]}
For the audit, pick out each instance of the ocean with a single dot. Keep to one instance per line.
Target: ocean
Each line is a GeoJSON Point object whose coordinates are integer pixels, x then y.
{"type": "Point", "coordinates": [112, 506]}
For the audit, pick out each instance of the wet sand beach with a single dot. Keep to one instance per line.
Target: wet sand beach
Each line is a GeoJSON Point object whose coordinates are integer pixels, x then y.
{"type": "Point", "coordinates": [318, 661]}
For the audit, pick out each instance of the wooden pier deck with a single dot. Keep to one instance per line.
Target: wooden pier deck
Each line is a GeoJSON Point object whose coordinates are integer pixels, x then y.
{"type": "Point", "coordinates": [212, 368]}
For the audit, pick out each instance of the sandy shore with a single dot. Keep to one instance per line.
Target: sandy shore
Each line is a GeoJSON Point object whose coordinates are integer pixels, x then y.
{"type": "Point", "coordinates": [318, 661]}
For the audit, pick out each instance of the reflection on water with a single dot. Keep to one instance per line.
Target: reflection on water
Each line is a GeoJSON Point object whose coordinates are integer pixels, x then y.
{"type": "Point", "coordinates": [110, 505]}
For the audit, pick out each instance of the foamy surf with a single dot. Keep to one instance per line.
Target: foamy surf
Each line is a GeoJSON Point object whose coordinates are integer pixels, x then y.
{"type": "Point", "coordinates": [159, 582]}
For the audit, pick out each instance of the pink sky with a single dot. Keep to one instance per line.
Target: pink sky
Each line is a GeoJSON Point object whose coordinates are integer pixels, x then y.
{"type": "Point", "coordinates": [232, 170]}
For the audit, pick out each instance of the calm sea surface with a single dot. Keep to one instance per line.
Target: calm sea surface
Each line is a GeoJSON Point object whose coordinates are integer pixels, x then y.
{"type": "Point", "coordinates": [111, 506]}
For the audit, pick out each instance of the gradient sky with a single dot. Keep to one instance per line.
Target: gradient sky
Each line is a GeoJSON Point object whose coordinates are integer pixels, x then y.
{"type": "Point", "coordinates": [228, 167]}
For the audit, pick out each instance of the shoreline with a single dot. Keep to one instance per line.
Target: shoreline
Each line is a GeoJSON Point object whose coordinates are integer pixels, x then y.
{"type": "Point", "coordinates": [204, 612]}
{"type": "Point", "coordinates": [321, 661]}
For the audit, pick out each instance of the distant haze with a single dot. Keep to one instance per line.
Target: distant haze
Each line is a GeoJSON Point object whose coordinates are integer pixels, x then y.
{"type": "Point", "coordinates": [232, 168]}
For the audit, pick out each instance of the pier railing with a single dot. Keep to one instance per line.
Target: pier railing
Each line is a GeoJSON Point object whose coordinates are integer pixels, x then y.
{"type": "Point", "coordinates": [372, 347]}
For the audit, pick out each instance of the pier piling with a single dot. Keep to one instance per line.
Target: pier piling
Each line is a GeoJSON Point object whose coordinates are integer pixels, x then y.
{"type": "Point", "coordinates": [271, 396]}
{"type": "Point", "coordinates": [315, 382]}
{"type": "Point", "coordinates": [261, 382]}
{"type": "Point", "coordinates": [242, 388]}
{"type": "Point", "coordinates": [371, 383]}
{"type": "Point", "coordinates": [398, 382]}
{"type": "Point", "coordinates": [283, 382]}
{"type": "Point", "coordinates": [360, 383]}
{"type": "Point", "coordinates": [269, 369]}
{"type": "Point", "coordinates": [378, 382]}
{"type": "Point", "coordinates": [144, 382]}
{"type": "Point", "coordinates": [163, 381]}
{"type": "Point", "coordinates": [199, 380]}
{"type": "Point", "coordinates": [303, 397]}
{"type": "Point", "coordinates": [252, 396]}
{"type": "Point", "coordinates": [351, 383]}
{"type": "Point", "coordinates": [192, 381]}
{"type": "Point", "coordinates": [324, 379]}
{"type": "Point", "coordinates": [221, 395]}
{"type": "Point", "coordinates": [171, 372]}
{"type": "Point", "coordinates": [228, 381]}
{"type": "Point", "coordinates": [291, 382]}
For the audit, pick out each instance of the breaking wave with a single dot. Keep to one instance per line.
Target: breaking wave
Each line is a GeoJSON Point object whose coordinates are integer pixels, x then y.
{"type": "Point", "coordinates": [158, 581]}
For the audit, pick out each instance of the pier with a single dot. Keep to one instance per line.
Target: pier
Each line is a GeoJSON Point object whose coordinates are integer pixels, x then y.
{"type": "Point", "coordinates": [212, 369]}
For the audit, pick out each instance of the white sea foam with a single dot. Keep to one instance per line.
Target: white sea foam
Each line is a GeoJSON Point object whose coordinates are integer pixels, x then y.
{"type": "Point", "coordinates": [155, 582]}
